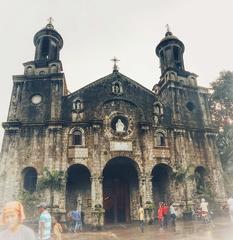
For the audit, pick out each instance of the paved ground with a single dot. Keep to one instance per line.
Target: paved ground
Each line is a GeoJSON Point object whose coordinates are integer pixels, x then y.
{"type": "Point", "coordinates": [220, 229]}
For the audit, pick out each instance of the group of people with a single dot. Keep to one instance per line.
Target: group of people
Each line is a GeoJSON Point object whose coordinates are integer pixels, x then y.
{"type": "Point", "coordinates": [12, 218]}
{"type": "Point", "coordinates": [164, 215]}
{"type": "Point", "coordinates": [167, 214]}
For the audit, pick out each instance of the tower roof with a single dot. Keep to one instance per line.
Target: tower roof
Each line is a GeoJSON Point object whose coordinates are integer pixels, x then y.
{"type": "Point", "coordinates": [49, 31]}
{"type": "Point", "coordinates": [169, 38]}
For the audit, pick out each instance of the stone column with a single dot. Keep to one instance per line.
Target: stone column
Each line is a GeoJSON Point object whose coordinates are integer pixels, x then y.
{"type": "Point", "coordinates": [96, 191]}
{"type": "Point", "coordinates": [142, 189]}
{"type": "Point", "coordinates": [96, 197]}
{"type": "Point", "coordinates": [148, 183]}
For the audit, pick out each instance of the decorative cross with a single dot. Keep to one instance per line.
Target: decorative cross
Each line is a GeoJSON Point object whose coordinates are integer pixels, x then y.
{"type": "Point", "coordinates": [51, 20]}
{"type": "Point", "coordinates": [115, 60]}
{"type": "Point", "coordinates": [168, 28]}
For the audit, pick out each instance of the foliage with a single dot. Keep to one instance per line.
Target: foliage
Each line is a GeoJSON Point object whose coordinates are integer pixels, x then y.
{"type": "Point", "coordinates": [29, 201]}
{"type": "Point", "coordinates": [149, 205]}
{"type": "Point", "coordinates": [99, 212]}
{"type": "Point", "coordinates": [53, 181]}
{"type": "Point", "coordinates": [181, 177]}
{"type": "Point", "coordinates": [221, 100]}
{"type": "Point", "coordinates": [221, 105]}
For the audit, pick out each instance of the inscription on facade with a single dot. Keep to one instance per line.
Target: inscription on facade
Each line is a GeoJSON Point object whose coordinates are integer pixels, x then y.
{"type": "Point", "coordinates": [120, 146]}
{"type": "Point", "coordinates": [78, 153]}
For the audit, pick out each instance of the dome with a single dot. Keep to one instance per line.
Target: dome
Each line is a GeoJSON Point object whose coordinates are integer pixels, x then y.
{"type": "Point", "coordinates": [169, 39]}
{"type": "Point", "coordinates": [50, 32]}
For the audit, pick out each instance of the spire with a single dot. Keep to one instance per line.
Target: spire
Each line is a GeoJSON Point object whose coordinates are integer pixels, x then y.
{"type": "Point", "coordinates": [115, 66]}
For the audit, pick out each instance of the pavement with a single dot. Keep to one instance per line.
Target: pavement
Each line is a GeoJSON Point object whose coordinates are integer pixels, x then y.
{"type": "Point", "coordinates": [218, 229]}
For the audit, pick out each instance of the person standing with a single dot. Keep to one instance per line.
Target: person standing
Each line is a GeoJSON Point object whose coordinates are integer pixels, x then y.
{"type": "Point", "coordinates": [45, 222]}
{"type": "Point", "coordinates": [173, 214]}
{"type": "Point", "coordinates": [57, 229]}
{"type": "Point", "coordinates": [230, 206]}
{"type": "Point", "coordinates": [12, 218]}
{"type": "Point", "coordinates": [160, 215]}
{"type": "Point", "coordinates": [76, 217]}
{"type": "Point", "coordinates": [141, 217]}
{"type": "Point", "coordinates": [204, 210]}
{"type": "Point", "coordinates": [165, 214]}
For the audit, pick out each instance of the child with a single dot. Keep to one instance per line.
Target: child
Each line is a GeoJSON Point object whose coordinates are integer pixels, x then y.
{"type": "Point", "coordinates": [57, 229]}
{"type": "Point", "coordinates": [12, 217]}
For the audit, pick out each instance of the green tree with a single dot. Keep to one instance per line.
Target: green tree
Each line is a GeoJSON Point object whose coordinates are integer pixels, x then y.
{"type": "Point", "coordinates": [221, 100]}
{"type": "Point", "coordinates": [53, 181]}
{"type": "Point", "coordinates": [221, 105]}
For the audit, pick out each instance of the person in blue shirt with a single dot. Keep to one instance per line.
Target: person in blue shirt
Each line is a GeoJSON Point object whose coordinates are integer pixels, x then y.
{"type": "Point", "coordinates": [76, 217]}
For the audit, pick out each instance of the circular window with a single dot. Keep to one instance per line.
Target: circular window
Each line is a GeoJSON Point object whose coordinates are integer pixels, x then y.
{"type": "Point", "coordinates": [190, 106]}
{"type": "Point", "coordinates": [36, 99]}
{"type": "Point", "coordinates": [119, 124]}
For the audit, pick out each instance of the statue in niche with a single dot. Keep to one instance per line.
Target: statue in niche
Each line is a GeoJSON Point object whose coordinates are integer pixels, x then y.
{"type": "Point", "coordinates": [120, 126]}
{"type": "Point", "coordinates": [79, 202]}
{"type": "Point", "coordinates": [156, 119]}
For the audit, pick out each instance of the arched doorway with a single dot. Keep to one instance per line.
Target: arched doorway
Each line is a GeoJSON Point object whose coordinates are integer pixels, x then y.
{"type": "Point", "coordinates": [120, 190]}
{"type": "Point", "coordinates": [161, 175]}
{"type": "Point", "coordinates": [200, 174]}
{"type": "Point", "coordinates": [29, 179]}
{"type": "Point", "coordinates": [78, 190]}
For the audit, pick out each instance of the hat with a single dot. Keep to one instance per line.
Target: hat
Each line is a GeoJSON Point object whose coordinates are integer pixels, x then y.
{"type": "Point", "coordinates": [42, 205]}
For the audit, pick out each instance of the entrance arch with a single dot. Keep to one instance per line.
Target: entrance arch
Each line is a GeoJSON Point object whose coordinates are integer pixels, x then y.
{"type": "Point", "coordinates": [120, 190]}
{"type": "Point", "coordinates": [78, 189]}
{"type": "Point", "coordinates": [161, 177]}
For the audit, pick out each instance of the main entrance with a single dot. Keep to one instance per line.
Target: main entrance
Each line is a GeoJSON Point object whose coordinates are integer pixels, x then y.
{"type": "Point", "coordinates": [120, 190]}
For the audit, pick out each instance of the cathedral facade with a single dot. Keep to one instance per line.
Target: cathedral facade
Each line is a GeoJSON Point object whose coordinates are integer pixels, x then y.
{"type": "Point", "coordinates": [119, 143]}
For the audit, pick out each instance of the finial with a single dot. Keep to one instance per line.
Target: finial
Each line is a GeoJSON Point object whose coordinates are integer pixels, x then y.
{"type": "Point", "coordinates": [50, 20]}
{"type": "Point", "coordinates": [168, 33]}
{"type": "Point", "coordinates": [168, 27]}
{"type": "Point", "coordinates": [115, 67]}
{"type": "Point", "coordinates": [50, 24]}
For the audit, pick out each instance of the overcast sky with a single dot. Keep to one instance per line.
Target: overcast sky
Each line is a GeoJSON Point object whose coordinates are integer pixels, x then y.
{"type": "Point", "coordinates": [96, 30]}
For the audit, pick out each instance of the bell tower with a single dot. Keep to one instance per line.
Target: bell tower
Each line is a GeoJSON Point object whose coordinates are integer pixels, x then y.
{"type": "Point", "coordinates": [178, 87]}
{"type": "Point", "coordinates": [170, 52]}
{"type": "Point", "coordinates": [48, 43]}
{"type": "Point", "coordinates": [37, 94]}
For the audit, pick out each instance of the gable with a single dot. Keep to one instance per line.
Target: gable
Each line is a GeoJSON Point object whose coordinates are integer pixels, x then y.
{"type": "Point", "coordinates": [97, 93]}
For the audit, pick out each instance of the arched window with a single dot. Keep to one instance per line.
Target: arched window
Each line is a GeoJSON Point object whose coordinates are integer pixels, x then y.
{"type": "Point", "coordinates": [77, 104]}
{"type": "Point", "coordinates": [160, 139]}
{"type": "Point", "coordinates": [200, 173]}
{"type": "Point", "coordinates": [117, 88]}
{"type": "Point", "coordinates": [29, 179]}
{"type": "Point", "coordinates": [158, 109]}
{"type": "Point", "coordinates": [176, 52]}
{"type": "Point", "coordinates": [77, 138]}
{"type": "Point", "coordinates": [44, 48]}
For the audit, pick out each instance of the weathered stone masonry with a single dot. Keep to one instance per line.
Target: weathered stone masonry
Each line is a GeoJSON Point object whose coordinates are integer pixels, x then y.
{"type": "Point", "coordinates": [118, 167]}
